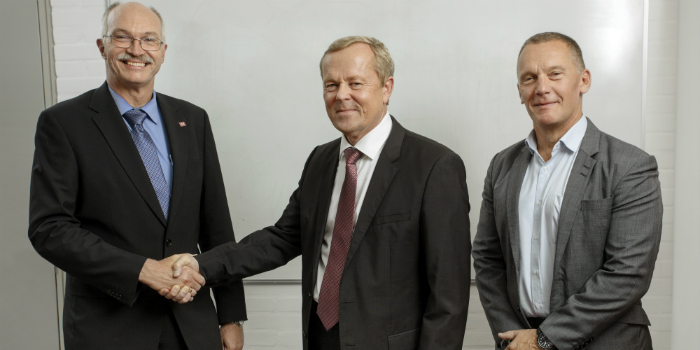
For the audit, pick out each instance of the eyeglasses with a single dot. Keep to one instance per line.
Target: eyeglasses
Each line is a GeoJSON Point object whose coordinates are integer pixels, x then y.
{"type": "Point", "coordinates": [125, 42]}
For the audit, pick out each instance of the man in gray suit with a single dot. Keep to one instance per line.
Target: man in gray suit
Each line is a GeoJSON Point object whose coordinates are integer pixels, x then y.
{"type": "Point", "coordinates": [570, 220]}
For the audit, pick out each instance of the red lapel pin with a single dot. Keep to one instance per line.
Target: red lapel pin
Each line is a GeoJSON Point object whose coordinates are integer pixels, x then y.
{"type": "Point", "coordinates": [182, 124]}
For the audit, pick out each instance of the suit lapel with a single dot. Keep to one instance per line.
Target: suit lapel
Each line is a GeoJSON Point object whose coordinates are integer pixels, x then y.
{"type": "Point", "coordinates": [381, 179]}
{"type": "Point", "coordinates": [575, 188]}
{"type": "Point", "coordinates": [327, 180]}
{"type": "Point", "coordinates": [515, 182]}
{"type": "Point", "coordinates": [114, 130]}
{"type": "Point", "coordinates": [177, 137]}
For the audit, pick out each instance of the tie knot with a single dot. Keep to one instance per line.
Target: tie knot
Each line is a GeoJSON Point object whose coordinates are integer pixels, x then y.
{"type": "Point", "coordinates": [352, 154]}
{"type": "Point", "coordinates": [135, 116]}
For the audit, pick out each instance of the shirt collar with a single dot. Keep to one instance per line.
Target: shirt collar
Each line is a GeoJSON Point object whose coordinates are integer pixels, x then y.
{"type": "Point", "coordinates": [371, 144]}
{"type": "Point", "coordinates": [150, 108]}
{"type": "Point", "coordinates": [571, 140]}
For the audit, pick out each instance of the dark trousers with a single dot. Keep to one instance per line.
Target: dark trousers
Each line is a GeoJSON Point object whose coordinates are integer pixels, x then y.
{"type": "Point", "coordinates": [170, 335]}
{"type": "Point", "coordinates": [535, 322]}
{"type": "Point", "coordinates": [319, 337]}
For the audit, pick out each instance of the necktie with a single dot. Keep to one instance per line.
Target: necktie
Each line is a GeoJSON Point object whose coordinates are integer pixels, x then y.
{"type": "Point", "coordinates": [328, 299]}
{"type": "Point", "coordinates": [149, 156]}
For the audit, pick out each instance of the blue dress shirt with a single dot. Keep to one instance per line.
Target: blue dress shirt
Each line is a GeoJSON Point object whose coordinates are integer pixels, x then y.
{"type": "Point", "coordinates": [541, 195]}
{"type": "Point", "coordinates": [155, 127]}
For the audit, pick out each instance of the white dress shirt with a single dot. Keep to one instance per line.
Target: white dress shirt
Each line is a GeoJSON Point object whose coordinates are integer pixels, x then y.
{"type": "Point", "coordinates": [371, 146]}
{"type": "Point", "coordinates": [540, 202]}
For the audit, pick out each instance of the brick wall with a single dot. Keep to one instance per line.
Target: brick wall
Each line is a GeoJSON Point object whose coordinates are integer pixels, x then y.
{"type": "Point", "coordinates": [274, 309]}
{"type": "Point", "coordinates": [76, 27]}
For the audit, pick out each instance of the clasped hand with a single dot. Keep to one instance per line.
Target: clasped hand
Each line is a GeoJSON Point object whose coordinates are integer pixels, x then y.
{"type": "Point", "coordinates": [176, 278]}
{"type": "Point", "coordinates": [522, 339]}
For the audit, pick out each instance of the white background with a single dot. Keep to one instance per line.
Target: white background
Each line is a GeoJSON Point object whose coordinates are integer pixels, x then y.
{"type": "Point", "coordinates": [275, 310]}
{"type": "Point", "coordinates": [253, 65]}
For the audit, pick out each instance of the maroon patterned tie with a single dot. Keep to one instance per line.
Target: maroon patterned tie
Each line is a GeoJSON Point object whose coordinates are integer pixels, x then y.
{"type": "Point", "coordinates": [340, 243]}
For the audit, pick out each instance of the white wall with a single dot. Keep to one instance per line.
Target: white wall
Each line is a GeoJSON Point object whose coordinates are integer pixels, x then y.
{"type": "Point", "coordinates": [660, 141]}
{"type": "Point", "coordinates": [274, 309]}
{"type": "Point", "coordinates": [686, 284]}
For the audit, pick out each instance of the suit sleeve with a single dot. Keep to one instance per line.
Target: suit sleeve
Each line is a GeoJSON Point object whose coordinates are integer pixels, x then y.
{"type": "Point", "coordinates": [262, 250]}
{"type": "Point", "coordinates": [630, 254]}
{"type": "Point", "coordinates": [54, 230]}
{"type": "Point", "coordinates": [216, 229]}
{"type": "Point", "coordinates": [490, 266]}
{"type": "Point", "coordinates": [445, 236]}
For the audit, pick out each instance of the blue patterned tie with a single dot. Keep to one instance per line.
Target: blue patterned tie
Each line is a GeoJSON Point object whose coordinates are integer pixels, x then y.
{"type": "Point", "coordinates": [149, 155]}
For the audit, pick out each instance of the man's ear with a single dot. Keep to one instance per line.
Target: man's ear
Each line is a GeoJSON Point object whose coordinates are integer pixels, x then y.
{"type": "Point", "coordinates": [165, 47]}
{"type": "Point", "coordinates": [388, 88]}
{"type": "Point", "coordinates": [520, 94]}
{"type": "Point", "coordinates": [585, 81]}
{"type": "Point", "coordinates": [101, 45]}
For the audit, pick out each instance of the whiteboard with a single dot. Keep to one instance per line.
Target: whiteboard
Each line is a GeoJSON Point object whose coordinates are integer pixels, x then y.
{"type": "Point", "coordinates": [254, 66]}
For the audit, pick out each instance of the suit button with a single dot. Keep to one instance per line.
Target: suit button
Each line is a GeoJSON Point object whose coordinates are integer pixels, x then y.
{"type": "Point", "coordinates": [304, 333]}
{"type": "Point", "coordinates": [168, 242]}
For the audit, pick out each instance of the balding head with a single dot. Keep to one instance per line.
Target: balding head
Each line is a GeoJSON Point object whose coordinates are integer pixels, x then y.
{"type": "Point", "coordinates": [118, 9]}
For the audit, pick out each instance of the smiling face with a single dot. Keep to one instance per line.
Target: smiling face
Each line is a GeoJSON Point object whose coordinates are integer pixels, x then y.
{"type": "Point", "coordinates": [355, 97]}
{"type": "Point", "coordinates": [132, 68]}
{"type": "Point", "coordinates": [551, 86]}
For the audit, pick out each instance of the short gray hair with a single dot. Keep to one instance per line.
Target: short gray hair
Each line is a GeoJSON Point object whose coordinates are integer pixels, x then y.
{"type": "Point", "coordinates": [576, 54]}
{"type": "Point", "coordinates": [383, 64]}
{"type": "Point", "coordinates": [113, 5]}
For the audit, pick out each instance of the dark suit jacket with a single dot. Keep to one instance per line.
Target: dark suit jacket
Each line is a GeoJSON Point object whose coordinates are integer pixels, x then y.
{"type": "Point", "coordinates": [94, 214]}
{"type": "Point", "coordinates": [406, 279]}
{"type": "Point", "coordinates": [607, 241]}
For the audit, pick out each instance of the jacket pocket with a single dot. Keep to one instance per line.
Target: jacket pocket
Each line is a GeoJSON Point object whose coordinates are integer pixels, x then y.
{"type": "Point", "coordinates": [405, 341]}
{"type": "Point", "coordinates": [385, 219]}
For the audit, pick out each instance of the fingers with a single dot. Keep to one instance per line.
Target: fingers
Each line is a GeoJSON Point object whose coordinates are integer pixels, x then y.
{"type": "Point", "coordinates": [184, 295]}
{"type": "Point", "coordinates": [182, 261]}
{"type": "Point", "coordinates": [510, 335]}
{"type": "Point", "coordinates": [199, 279]}
{"type": "Point", "coordinates": [191, 278]}
{"type": "Point", "coordinates": [172, 294]}
{"type": "Point", "coordinates": [179, 294]}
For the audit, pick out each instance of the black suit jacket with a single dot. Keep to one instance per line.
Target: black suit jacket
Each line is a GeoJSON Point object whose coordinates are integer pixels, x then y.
{"type": "Point", "coordinates": [406, 279]}
{"type": "Point", "coordinates": [94, 214]}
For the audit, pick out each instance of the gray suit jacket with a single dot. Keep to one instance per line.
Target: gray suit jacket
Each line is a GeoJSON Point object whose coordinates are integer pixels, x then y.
{"type": "Point", "coordinates": [607, 242]}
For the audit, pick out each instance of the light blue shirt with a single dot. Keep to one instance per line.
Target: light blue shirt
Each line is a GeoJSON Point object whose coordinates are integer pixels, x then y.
{"type": "Point", "coordinates": [156, 129]}
{"type": "Point", "coordinates": [540, 202]}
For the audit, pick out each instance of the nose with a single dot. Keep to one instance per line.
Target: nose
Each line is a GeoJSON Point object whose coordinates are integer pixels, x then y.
{"type": "Point", "coordinates": [543, 85]}
{"type": "Point", "coordinates": [343, 92]}
{"type": "Point", "coordinates": [136, 49]}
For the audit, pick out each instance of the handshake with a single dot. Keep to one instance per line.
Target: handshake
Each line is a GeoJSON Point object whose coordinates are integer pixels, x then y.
{"type": "Point", "coordinates": [176, 278]}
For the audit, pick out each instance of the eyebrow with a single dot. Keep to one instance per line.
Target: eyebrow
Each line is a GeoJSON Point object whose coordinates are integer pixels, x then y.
{"type": "Point", "coordinates": [348, 79]}
{"type": "Point", "coordinates": [527, 72]}
{"type": "Point", "coordinates": [127, 32]}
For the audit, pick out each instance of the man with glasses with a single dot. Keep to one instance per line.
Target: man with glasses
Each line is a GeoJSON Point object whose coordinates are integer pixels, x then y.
{"type": "Point", "coordinates": [123, 177]}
